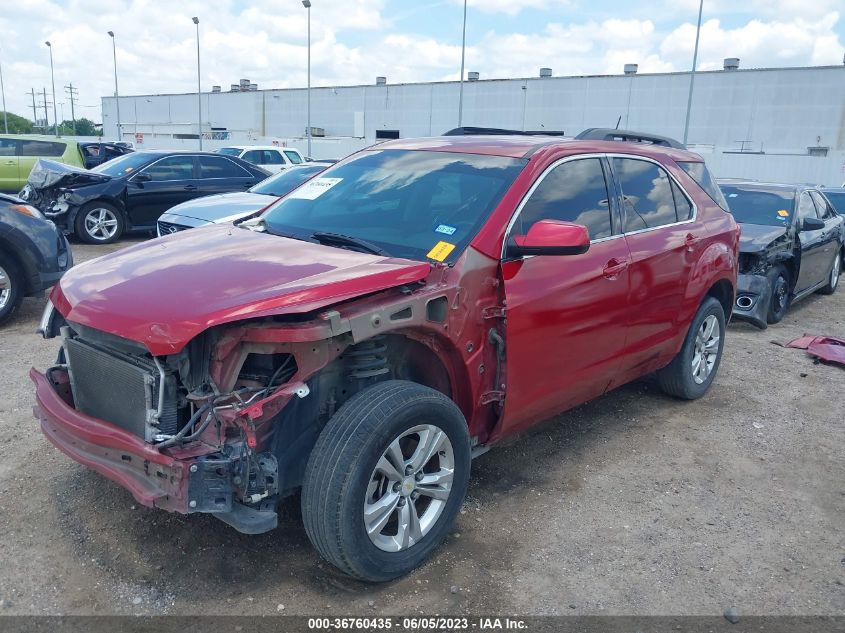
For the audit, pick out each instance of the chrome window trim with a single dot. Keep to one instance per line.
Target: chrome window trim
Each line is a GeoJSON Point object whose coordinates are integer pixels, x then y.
{"type": "Point", "coordinates": [157, 160]}
{"type": "Point", "coordinates": [530, 192]}
{"type": "Point", "coordinates": [671, 178]}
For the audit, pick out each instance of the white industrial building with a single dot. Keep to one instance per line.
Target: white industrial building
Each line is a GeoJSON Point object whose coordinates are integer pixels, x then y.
{"type": "Point", "coordinates": [771, 123]}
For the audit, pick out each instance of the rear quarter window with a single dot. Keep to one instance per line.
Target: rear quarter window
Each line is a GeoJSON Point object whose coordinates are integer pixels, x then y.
{"type": "Point", "coordinates": [702, 176]}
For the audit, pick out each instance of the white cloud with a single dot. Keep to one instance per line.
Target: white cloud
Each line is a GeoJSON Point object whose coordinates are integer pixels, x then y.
{"type": "Point", "coordinates": [355, 40]}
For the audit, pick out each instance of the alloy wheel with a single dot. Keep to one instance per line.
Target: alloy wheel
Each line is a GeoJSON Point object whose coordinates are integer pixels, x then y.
{"type": "Point", "coordinates": [101, 224]}
{"type": "Point", "coordinates": [706, 349]}
{"type": "Point", "coordinates": [834, 272]}
{"type": "Point", "coordinates": [408, 488]}
{"type": "Point", "coordinates": [5, 287]}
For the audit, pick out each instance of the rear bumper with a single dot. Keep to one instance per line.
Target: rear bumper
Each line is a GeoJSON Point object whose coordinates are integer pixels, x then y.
{"type": "Point", "coordinates": [154, 479]}
{"type": "Point", "coordinates": [753, 296]}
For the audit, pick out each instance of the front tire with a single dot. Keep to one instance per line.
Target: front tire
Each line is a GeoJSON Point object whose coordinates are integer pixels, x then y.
{"type": "Point", "coordinates": [780, 299]}
{"type": "Point", "coordinates": [11, 288]}
{"type": "Point", "coordinates": [833, 276]}
{"type": "Point", "coordinates": [693, 369]}
{"type": "Point", "coordinates": [386, 479]}
{"type": "Point", "coordinates": [99, 223]}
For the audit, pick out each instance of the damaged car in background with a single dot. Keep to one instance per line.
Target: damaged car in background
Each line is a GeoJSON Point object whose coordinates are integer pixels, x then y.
{"type": "Point", "coordinates": [130, 192]}
{"type": "Point", "coordinates": [791, 246]}
{"type": "Point", "coordinates": [382, 324]}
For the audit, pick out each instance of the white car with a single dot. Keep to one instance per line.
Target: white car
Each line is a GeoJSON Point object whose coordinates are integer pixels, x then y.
{"type": "Point", "coordinates": [269, 157]}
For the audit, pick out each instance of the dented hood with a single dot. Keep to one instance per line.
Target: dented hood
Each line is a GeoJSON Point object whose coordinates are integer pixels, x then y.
{"type": "Point", "coordinates": [47, 173]}
{"type": "Point", "coordinates": [164, 292]}
{"type": "Point", "coordinates": [755, 238]}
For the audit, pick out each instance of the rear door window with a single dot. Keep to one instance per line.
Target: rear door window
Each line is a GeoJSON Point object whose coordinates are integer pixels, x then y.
{"type": "Point", "coordinates": [647, 194]}
{"type": "Point", "coordinates": [273, 157]}
{"type": "Point", "coordinates": [253, 156]}
{"type": "Point", "coordinates": [7, 146]}
{"type": "Point", "coordinates": [218, 167]}
{"type": "Point", "coordinates": [293, 157]}
{"type": "Point", "coordinates": [574, 191]}
{"type": "Point", "coordinates": [41, 148]}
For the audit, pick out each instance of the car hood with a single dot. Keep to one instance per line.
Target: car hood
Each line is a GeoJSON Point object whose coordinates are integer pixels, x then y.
{"type": "Point", "coordinates": [164, 292]}
{"type": "Point", "coordinates": [46, 174]}
{"type": "Point", "coordinates": [221, 206]}
{"type": "Point", "coordinates": [754, 238]}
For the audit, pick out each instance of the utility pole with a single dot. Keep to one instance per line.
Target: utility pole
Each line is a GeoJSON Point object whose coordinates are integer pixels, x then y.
{"type": "Point", "coordinates": [692, 74]}
{"type": "Point", "coordinates": [3, 92]}
{"type": "Point", "coordinates": [73, 95]}
{"type": "Point", "coordinates": [46, 115]}
{"type": "Point", "coordinates": [34, 115]}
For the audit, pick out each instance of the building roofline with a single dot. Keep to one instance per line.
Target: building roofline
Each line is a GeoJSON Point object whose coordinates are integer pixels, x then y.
{"type": "Point", "coordinates": [500, 79]}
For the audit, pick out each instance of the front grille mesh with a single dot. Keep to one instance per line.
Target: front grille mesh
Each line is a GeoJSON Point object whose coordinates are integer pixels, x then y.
{"type": "Point", "coordinates": [119, 389]}
{"type": "Point", "coordinates": [166, 228]}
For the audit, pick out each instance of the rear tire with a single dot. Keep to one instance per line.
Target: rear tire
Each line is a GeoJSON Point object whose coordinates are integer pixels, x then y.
{"type": "Point", "coordinates": [780, 298]}
{"type": "Point", "coordinates": [833, 276]}
{"type": "Point", "coordinates": [99, 223]}
{"type": "Point", "coordinates": [693, 369]}
{"type": "Point", "coordinates": [11, 287]}
{"type": "Point", "coordinates": [369, 475]}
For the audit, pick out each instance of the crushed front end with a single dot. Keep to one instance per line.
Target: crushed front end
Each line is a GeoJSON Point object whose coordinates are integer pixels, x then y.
{"type": "Point", "coordinates": [753, 289]}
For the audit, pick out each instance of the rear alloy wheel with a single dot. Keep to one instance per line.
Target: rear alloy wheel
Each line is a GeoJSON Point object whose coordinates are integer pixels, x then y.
{"type": "Point", "coordinates": [386, 479]}
{"type": "Point", "coordinates": [11, 288]}
{"type": "Point", "coordinates": [99, 223]}
{"type": "Point", "coordinates": [833, 277]}
{"type": "Point", "coordinates": [693, 369]}
{"type": "Point", "coordinates": [779, 302]}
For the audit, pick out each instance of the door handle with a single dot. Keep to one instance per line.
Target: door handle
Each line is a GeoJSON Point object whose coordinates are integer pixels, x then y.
{"type": "Point", "coordinates": [613, 268]}
{"type": "Point", "coordinates": [690, 241]}
{"type": "Point", "coordinates": [10, 162]}
{"type": "Point", "coordinates": [190, 187]}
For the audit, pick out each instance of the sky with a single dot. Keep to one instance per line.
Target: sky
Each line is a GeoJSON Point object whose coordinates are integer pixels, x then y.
{"type": "Point", "coordinates": [353, 41]}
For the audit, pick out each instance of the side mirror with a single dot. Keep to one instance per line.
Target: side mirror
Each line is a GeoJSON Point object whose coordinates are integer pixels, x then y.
{"type": "Point", "coordinates": [142, 177]}
{"type": "Point", "coordinates": [812, 224]}
{"type": "Point", "coordinates": [551, 237]}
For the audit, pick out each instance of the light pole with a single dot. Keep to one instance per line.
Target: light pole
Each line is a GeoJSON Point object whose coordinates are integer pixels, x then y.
{"type": "Point", "coordinates": [463, 55]}
{"type": "Point", "coordinates": [199, 94]}
{"type": "Point", "coordinates": [116, 95]}
{"type": "Point", "coordinates": [692, 74]}
{"type": "Point", "coordinates": [307, 5]}
{"type": "Point", "coordinates": [53, 78]}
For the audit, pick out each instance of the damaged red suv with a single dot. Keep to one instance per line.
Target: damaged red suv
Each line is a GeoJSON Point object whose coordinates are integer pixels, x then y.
{"type": "Point", "coordinates": [383, 324]}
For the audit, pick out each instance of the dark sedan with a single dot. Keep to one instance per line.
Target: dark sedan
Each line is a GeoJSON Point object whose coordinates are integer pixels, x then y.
{"type": "Point", "coordinates": [33, 253]}
{"type": "Point", "coordinates": [791, 246]}
{"type": "Point", "coordinates": [130, 192]}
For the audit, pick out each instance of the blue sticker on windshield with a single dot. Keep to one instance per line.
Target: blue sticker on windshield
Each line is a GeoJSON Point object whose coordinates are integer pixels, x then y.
{"type": "Point", "coordinates": [446, 229]}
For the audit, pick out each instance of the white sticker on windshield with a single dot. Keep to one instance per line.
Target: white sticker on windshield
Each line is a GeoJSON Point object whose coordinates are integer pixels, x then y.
{"type": "Point", "coordinates": [314, 188]}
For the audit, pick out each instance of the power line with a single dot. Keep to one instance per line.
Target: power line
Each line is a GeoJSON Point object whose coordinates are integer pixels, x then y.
{"type": "Point", "coordinates": [73, 95]}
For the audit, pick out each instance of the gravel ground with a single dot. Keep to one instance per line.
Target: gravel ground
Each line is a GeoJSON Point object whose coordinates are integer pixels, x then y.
{"type": "Point", "coordinates": [631, 504]}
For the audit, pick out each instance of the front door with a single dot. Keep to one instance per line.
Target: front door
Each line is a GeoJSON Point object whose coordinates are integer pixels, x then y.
{"type": "Point", "coordinates": [830, 236]}
{"type": "Point", "coordinates": [171, 181]}
{"type": "Point", "coordinates": [813, 261]}
{"type": "Point", "coordinates": [566, 315]}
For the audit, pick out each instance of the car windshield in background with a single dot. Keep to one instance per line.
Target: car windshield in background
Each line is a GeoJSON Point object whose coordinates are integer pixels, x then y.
{"type": "Point", "coordinates": [837, 199]}
{"type": "Point", "coordinates": [285, 182]}
{"type": "Point", "coordinates": [771, 207]}
{"type": "Point", "coordinates": [230, 151]}
{"type": "Point", "coordinates": [123, 165]}
{"type": "Point", "coordinates": [410, 204]}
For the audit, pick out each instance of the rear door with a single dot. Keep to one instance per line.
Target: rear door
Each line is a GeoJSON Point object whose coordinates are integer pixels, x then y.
{"type": "Point", "coordinates": [273, 161]}
{"type": "Point", "coordinates": [10, 179]}
{"type": "Point", "coordinates": [218, 174]}
{"type": "Point", "coordinates": [566, 315]}
{"type": "Point", "coordinates": [664, 242]}
{"type": "Point", "coordinates": [814, 266]}
{"type": "Point", "coordinates": [172, 181]}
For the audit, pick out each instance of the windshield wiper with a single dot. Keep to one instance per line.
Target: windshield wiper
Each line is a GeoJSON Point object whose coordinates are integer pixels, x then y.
{"type": "Point", "coordinates": [339, 239]}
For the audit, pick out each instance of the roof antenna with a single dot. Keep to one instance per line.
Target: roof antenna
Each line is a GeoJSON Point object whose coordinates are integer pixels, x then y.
{"type": "Point", "coordinates": [618, 121]}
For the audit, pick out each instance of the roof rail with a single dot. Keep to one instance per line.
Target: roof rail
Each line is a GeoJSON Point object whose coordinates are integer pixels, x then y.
{"type": "Point", "coordinates": [609, 134]}
{"type": "Point", "coordinates": [494, 131]}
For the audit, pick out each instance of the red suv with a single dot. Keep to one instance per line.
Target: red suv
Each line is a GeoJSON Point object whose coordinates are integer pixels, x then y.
{"type": "Point", "coordinates": [384, 323]}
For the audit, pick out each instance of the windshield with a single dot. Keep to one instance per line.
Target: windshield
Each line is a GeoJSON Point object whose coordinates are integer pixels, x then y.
{"type": "Point", "coordinates": [837, 199]}
{"type": "Point", "coordinates": [410, 204]}
{"type": "Point", "coordinates": [125, 164]}
{"type": "Point", "coordinates": [230, 151]}
{"type": "Point", "coordinates": [771, 207]}
{"type": "Point", "coordinates": [286, 181]}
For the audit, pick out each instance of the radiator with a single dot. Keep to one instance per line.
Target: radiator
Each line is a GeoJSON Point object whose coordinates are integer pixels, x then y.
{"type": "Point", "coordinates": [121, 389]}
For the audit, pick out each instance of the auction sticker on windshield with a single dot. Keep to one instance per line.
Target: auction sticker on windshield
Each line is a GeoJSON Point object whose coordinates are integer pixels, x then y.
{"type": "Point", "coordinates": [440, 251]}
{"type": "Point", "coordinates": [313, 189]}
